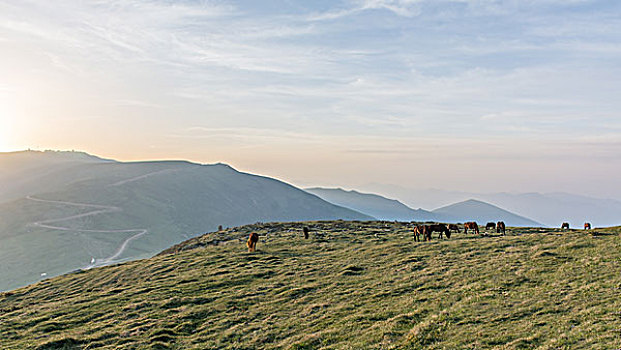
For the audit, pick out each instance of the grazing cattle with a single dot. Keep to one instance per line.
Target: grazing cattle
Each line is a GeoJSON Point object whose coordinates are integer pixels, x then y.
{"type": "Point", "coordinates": [587, 225]}
{"type": "Point", "coordinates": [252, 242]}
{"type": "Point", "coordinates": [439, 228]}
{"type": "Point", "coordinates": [422, 230]}
{"type": "Point", "coordinates": [471, 225]}
{"type": "Point", "coordinates": [426, 233]}
{"type": "Point", "coordinates": [453, 227]}
{"type": "Point", "coordinates": [418, 231]}
{"type": "Point", "coordinates": [490, 225]}
{"type": "Point", "coordinates": [305, 229]}
{"type": "Point", "coordinates": [565, 225]}
{"type": "Point", "coordinates": [500, 227]}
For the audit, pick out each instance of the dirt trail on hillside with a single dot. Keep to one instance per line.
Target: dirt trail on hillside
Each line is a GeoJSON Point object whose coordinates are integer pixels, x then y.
{"type": "Point", "coordinates": [140, 177]}
{"type": "Point", "coordinates": [99, 209]}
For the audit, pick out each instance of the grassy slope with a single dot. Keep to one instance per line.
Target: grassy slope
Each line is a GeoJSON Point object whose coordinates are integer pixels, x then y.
{"type": "Point", "coordinates": [354, 285]}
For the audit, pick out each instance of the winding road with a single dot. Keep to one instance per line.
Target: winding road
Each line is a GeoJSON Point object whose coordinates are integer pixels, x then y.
{"type": "Point", "coordinates": [98, 209]}
{"type": "Point", "coordinates": [140, 177]}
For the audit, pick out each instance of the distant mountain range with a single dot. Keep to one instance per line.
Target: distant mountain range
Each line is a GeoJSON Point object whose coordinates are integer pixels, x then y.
{"type": "Point", "coordinates": [60, 211]}
{"type": "Point", "coordinates": [374, 205]}
{"type": "Point", "coordinates": [390, 209]}
{"type": "Point", "coordinates": [474, 210]}
{"type": "Point", "coordinates": [551, 209]}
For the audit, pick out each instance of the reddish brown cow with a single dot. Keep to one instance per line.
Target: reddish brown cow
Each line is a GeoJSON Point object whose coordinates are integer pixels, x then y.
{"type": "Point", "coordinates": [422, 230]}
{"type": "Point", "coordinates": [471, 225]}
{"type": "Point", "coordinates": [418, 231]}
{"type": "Point", "coordinates": [500, 227]}
{"type": "Point", "coordinates": [252, 242]}
{"type": "Point", "coordinates": [587, 225]}
{"type": "Point", "coordinates": [426, 233]}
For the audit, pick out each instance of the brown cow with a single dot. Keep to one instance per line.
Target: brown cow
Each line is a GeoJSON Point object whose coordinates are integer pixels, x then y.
{"type": "Point", "coordinates": [422, 230]}
{"type": "Point", "coordinates": [587, 225]}
{"type": "Point", "coordinates": [418, 231]}
{"type": "Point", "coordinates": [565, 225]}
{"type": "Point", "coordinates": [453, 227]}
{"type": "Point", "coordinates": [471, 225]}
{"type": "Point", "coordinates": [490, 225]}
{"type": "Point", "coordinates": [305, 229]}
{"type": "Point", "coordinates": [439, 228]}
{"type": "Point", "coordinates": [500, 226]}
{"type": "Point", "coordinates": [426, 233]}
{"type": "Point", "coordinates": [252, 242]}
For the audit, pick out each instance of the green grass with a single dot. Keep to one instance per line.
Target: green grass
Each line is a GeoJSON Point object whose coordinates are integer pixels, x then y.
{"type": "Point", "coordinates": [353, 285]}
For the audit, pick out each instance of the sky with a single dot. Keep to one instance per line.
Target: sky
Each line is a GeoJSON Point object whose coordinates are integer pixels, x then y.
{"type": "Point", "coordinates": [468, 95]}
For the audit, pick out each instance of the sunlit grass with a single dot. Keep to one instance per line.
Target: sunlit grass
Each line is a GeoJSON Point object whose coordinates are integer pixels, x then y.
{"type": "Point", "coordinates": [353, 285]}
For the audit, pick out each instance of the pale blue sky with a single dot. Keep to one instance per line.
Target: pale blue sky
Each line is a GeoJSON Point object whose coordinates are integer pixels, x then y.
{"type": "Point", "coordinates": [473, 95]}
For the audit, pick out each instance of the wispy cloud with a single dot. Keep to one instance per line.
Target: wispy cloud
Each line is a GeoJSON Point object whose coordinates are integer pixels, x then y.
{"type": "Point", "coordinates": [351, 72]}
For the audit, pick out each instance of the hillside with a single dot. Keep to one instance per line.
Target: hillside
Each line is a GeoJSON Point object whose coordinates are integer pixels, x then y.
{"type": "Point", "coordinates": [353, 285]}
{"type": "Point", "coordinates": [28, 172]}
{"type": "Point", "coordinates": [82, 211]}
{"type": "Point", "coordinates": [375, 205]}
{"type": "Point", "coordinates": [474, 210]}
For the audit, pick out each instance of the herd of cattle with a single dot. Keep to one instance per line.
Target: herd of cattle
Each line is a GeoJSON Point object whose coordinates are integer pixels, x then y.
{"type": "Point", "coordinates": [445, 229]}
{"type": "Point", "coordinates": [565, 225]}
{"type": "Point", "coordinates": [424, 231]}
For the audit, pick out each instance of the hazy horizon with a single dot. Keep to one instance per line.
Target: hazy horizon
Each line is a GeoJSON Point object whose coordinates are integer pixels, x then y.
{"type": "Point", "coordinates": [424, 198]}
{"type": "Point", "coordinates": [460, 95]}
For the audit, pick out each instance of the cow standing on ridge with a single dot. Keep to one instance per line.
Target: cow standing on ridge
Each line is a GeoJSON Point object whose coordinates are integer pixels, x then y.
{"type": "Point", "coordinates": [439, 228]}
{"type": "Point", "coordinates": [500, 227]}
{"type": "Point", "coordinates": [471, 225]}
{"type": "Point", "coordinates": [422, 230]}
{"type": "Point", "coordinates": [252, 242]}
{"type": "Point", "coordinates": [418, 231]}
